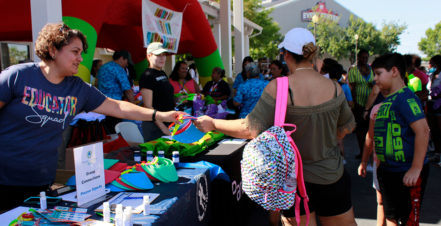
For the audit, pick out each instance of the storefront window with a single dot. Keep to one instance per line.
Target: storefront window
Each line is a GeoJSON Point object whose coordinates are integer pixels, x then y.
{"type": "Point", "coordinates": [14, 53]}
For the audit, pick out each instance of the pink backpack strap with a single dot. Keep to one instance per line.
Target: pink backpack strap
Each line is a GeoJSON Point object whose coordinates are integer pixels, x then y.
{"type": "Point", "coordinates": [301, 189]}
{"type": "Point", "coordinates": [281, 100]}
{"type": "Point", "coordinates": [279, 120]}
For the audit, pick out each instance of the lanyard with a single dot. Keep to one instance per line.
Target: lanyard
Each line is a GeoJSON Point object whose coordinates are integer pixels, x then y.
{"type": "Point", "coordinates": [182, 87]}
{"type": "Point", "coordinates": [214, 87]}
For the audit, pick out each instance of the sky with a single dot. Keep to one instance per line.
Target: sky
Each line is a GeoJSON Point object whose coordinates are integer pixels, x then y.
{"type": "Point", "coordinates": [418, 15]}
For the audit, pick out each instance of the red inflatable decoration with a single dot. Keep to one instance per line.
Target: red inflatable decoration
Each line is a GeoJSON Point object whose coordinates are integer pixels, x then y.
{"type": "Point", "coordinates": [118, 25]}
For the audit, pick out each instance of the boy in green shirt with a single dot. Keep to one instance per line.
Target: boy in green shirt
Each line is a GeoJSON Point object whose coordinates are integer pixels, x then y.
{"type": "Point", "coordinates": [401, 138]}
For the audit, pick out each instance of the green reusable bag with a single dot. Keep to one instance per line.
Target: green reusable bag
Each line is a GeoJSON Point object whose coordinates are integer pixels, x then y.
{"type": "Point", "coordinates": [148, 146]}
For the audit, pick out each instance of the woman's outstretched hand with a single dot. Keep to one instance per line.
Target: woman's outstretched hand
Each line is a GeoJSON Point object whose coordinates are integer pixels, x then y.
{"type": "Point", "coordinates": [205, 124]}
{"type": "Point", "coordinates": [168, 116]}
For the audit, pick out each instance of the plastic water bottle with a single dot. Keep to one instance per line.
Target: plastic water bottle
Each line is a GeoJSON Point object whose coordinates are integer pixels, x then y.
{"type": "Point", "coordinates": [127, 216]}
{"type": "Point", "coordinates": [137, 156]}
{"type": "Point", "coordinates": [106, 212]}
{"type": "Point", "coordinates": [291, 182]}
{"type": "Point", "coordinates": [175, 158]}
{"type": "Point", "coordinates": [43, 200]}
{"type": "Point", "coordinates": [146, 205]}
{"type": "Point", "coordinates": [161, 154]}
{"type": "Point", "coordinates": [149, 156]}
{"type": "Point", "coordinates": [119, 215]}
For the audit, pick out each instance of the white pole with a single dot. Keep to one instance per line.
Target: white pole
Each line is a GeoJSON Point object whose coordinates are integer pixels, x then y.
{"type": "Point", "coordinates": [43, 12]}
{"type": "Point", "coordinates": [225, 43]}
{"type": "Point", "coordinates": [239, 43]}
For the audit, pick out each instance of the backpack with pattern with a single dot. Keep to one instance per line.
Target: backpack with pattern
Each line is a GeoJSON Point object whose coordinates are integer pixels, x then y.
{"type": "Point", "coordinates": [271, 165]}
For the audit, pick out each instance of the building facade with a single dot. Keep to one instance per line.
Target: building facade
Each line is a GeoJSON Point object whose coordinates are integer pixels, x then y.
{"type": "Point", "coordinates": [298, 13]}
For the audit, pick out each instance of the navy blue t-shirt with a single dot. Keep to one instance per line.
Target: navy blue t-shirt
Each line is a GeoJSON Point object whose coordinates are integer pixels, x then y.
{"type": "Point", "coordinates": [394, 138]}
{"type": "Point", "coordinates": [32, 121]}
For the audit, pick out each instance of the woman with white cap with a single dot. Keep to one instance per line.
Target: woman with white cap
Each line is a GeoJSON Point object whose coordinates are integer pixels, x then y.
{"type": "Point", "coordinates": [156, 91]}
{"type": "Point", "coordinates": [319, 109]}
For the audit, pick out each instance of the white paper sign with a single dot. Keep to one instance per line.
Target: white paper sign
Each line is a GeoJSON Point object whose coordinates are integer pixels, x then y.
{"type": "Point", "coordinates": [89, 172]}
{"type": "Point", "coordinates": [160, 24]}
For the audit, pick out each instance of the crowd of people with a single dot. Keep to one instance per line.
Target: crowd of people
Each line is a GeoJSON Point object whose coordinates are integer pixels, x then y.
{"type": "Point", "coordinates": [390, 104]}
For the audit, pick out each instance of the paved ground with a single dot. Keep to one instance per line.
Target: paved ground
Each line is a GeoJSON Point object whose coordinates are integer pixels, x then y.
{"type": "Point", "coordinates": [363, 195]}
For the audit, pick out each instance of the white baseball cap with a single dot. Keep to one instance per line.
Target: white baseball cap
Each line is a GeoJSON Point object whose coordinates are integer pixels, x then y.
{"type": "Point", "coordinates": [156, 48]}
{"type": "Point", "coordinates": [295, 39]}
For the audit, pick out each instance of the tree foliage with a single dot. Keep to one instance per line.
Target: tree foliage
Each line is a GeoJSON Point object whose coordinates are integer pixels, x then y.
{"type": "Point", "coordinates": [431, 44]}
{"type": "Point", "coordinates": [340, 42]}
{"type": "Point", "coordinates": [264, 44]}
{"type": "Point", "coordinates": [15, 55]}
{"type": "Point", "coordinates": [390, 35]}
{"type": "Point", "coordinates": [331, 38]}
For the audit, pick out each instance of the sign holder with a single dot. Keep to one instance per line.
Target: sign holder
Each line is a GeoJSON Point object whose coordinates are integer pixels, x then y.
{"type": "Point", "coordinates": [89, 174]}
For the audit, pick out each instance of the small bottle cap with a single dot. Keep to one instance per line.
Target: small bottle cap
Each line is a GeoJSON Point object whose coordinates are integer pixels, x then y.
{"type": "Point", "coordinates": [137, 156]}
{"type": "Point", "coordinates": [149, 155]}
{"type": "Point", "coordinates": [42, 194]}
{"type": "Point", "coordinates": [146, 199]}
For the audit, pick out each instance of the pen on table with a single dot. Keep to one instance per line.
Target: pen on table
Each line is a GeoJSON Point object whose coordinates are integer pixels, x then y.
{"type": "Point", "coordinates": [132, 198]}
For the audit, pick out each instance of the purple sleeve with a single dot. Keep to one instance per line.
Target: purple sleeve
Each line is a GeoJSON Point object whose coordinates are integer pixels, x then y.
{"type": "Point", "coordinates": [436, 91]}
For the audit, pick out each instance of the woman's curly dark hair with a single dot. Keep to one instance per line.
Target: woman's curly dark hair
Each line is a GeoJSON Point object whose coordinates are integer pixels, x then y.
{"type": "Point", "coordinates": [56, 35]}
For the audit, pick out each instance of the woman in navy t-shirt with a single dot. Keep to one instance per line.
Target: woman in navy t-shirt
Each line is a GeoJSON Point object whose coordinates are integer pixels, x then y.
{"type": "Point", "coordinates": [37, 102]}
